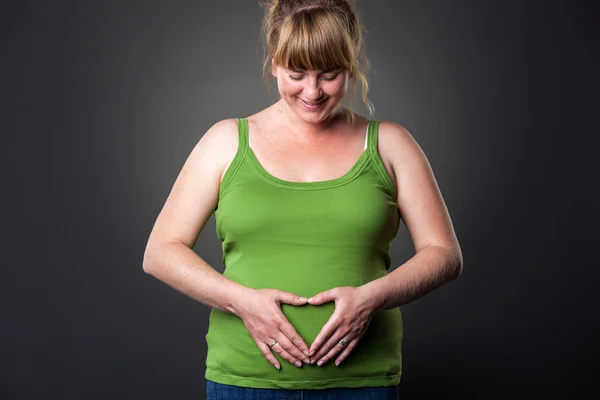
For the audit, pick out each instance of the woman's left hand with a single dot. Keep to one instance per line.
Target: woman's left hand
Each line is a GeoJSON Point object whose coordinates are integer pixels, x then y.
{"type": "Point", "coordinates": [354, 310]}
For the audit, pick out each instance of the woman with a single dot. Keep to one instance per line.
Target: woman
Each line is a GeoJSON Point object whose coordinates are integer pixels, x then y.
{"type": "Point", "coordinates": [307, 197]}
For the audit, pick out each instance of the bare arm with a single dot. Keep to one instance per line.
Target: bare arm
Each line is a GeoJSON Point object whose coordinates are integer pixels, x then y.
{"type": "Point", "coordinates": [181, 268]}
{"type": "Point", "coordinates": [438, 257]}
{"type": "Point", "coordinates": [427, 270]}
{"type": "Point", "coordinates": [170, 258]}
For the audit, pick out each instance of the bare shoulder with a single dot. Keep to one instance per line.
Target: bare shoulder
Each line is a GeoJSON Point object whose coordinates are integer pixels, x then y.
{"type": "Point", "coordinates": [212, 155]}
{"type": "Point", "coordinates": [194, 195]}
{"type": "Point", "coordinates": [419, 198]}
{"type": "Point", "coordinates": [397, 147]}
{"type": "Point", "coordinates": [217, 147]}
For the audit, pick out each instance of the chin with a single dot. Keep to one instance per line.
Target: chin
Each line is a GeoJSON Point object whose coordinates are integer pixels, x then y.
{"type": "Point", "coordinates": [319, 114]}
{"type": "Point", "coordinates": [313, 117]}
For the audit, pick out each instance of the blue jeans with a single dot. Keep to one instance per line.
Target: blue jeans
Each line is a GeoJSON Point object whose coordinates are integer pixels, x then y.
{"type": "Point", "coordinates": [220, 391]}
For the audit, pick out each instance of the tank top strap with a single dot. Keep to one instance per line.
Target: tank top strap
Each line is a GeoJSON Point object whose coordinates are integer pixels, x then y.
{"type": "Point", "coordinates": [373, 139]}
{"type": "Point", "coordinates": [372, 131]}
{"type": "Point", "coordinates": [243, 133]}
{"type": "Point", "coordinates": [240, 154]}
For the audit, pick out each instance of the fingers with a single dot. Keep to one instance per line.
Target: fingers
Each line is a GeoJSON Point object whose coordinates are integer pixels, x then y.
{"type": "Point", "coordinates": [283, 346]}
{"type": "Point", "coordinates": [299, 349]}
{"type": "Point", "coordinates": [292, 342]}
{"type": "Point", "coordinates": [291, 298]}
{"type": "Point", "coordinates": [323, 297]}
{"type": "Point", "coordinates": [287, 350]}
{"type": "Point", "coordinates": [333, 347]}
{"type": "Point", "coordinates": [271, 330]}
{"type": "Point", "coordinates": [331, 343]}
{"type": "Point", "coordinates": [266, 350]}
{"type": "Point", "coordinates": [347, 350]}
{"type": "Point", "coordinates": [326, 331]}
{"type": "Point", "coordinates": [342, 352]}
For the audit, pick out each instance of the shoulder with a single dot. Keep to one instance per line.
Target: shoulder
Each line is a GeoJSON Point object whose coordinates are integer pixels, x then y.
{"type": "Point", "coordinates": [221, 134]}
{"type": "Point", "coordinates": [217, 147]}
{"type": "Point", "coordinates": [397, 146]}
{"type": "Point", "coordinates": [392, 134]}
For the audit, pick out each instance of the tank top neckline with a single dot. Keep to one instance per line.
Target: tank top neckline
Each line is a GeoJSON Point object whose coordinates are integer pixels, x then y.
{"type": "Point", "coordinates": [354, 172]}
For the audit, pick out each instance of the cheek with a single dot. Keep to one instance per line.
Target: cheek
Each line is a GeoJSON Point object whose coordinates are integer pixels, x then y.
{"type": "Point", "coordinates": [286, 87]}
{"type": "Point", "coordinates": [337, 88]}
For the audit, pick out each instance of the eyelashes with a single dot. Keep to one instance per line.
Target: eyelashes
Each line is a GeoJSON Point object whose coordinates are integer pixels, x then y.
{"type": "Point", "coordinates": [327, 78]}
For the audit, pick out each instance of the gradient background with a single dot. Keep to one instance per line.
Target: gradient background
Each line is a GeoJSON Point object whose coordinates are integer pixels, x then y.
{"type": "Point", "coordinates": [102, 101]}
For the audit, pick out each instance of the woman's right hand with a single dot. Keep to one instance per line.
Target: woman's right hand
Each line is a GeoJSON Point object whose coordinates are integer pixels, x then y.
{"type": "Point", "coordinates": [266, 323]}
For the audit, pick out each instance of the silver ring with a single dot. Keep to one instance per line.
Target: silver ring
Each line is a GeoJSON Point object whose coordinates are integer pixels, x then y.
{"type": "Point", "coordinates": [342, 342]}
{"type": "Point", "coordinates": [273, 344]}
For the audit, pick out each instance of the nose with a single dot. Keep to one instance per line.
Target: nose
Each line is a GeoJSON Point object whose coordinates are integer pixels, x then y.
{"type": "Point", "coordinates": [312, 89]}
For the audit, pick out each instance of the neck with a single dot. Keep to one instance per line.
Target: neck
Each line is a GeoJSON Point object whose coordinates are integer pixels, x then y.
{"type": "Point", "coordinates": [306, 129]}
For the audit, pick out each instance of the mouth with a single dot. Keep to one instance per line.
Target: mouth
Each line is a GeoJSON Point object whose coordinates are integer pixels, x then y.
{"type": "Point", "coordinates": [312, 105]}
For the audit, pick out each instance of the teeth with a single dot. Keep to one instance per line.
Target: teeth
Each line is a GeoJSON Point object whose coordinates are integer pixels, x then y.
{"type": "Point", "coordinates": [310, 104]}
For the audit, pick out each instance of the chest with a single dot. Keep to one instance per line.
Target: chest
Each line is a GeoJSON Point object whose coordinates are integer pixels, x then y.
{"type": "Point", "coordinates": [352, 213]}
{"type": "Point", "coordinates": [294, 162]}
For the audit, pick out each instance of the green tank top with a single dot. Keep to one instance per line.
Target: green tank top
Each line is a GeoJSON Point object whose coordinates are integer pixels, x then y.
{"type": "Point", "coordinates": [304, 238]}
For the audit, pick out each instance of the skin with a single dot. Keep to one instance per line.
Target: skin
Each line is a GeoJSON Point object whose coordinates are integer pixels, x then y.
{"type": "Point", "coordinates": [326, 87]}
{"type": "Point", "coordinates": [316, 145]}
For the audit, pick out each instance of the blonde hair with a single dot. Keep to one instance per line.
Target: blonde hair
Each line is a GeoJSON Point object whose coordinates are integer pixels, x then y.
{"type": "Point", "coordinates": [316, 34]}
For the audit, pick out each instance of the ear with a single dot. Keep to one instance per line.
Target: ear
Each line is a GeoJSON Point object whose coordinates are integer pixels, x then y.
{"type": "Point", "coordinates": [273, 68]}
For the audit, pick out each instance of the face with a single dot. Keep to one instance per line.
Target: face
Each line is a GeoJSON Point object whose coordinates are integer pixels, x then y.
{"type": "Point", "coordinates": [312, 95]}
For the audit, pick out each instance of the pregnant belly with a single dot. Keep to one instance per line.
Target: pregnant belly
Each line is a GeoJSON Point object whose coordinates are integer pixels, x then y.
{"type": "Point", "coordinates": [233, 352]}
{"type": "Point", "coordinates": [308, 320]}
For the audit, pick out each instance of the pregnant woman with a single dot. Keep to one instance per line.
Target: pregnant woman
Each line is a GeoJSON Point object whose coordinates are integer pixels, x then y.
{"type": "Point", "coordinates": [307, 196]}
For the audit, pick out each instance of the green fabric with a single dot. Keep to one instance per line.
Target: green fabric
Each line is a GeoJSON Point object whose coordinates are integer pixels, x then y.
{"type": "Point", "coordinates": [305, 237]}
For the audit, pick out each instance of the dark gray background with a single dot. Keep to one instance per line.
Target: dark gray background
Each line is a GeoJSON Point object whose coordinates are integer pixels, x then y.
{"type": "Point", "coordinates": [102, 101]}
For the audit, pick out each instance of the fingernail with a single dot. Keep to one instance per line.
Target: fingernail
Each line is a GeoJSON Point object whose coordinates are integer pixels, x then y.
{"type": "Point", "coordinates": [320, 363]}
{"type": "Point", "coordinates": [306, 353]}
{"type": "Point", "coordinates": [337, 363]}
{"type": "Point", "coordinates": [313, 361]}
{"type": "Point", "coordinates": [298, 364]}
{"type": "Point", "coordinates": [306, 361]}
{"type": "Point", "coordinates": [302, 298]}
{"type": "Point", "coordinates": [277, 366]}
{"type": "Point", "coordinates": [311, 299]}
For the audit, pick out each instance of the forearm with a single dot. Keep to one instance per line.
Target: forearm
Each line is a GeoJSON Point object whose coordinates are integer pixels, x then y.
{"type": "Point", "coordinates": [427, 270]}
{"type": "Point", "coordinates": [181, 268]}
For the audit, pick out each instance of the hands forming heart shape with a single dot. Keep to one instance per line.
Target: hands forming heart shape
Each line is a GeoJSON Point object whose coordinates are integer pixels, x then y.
{"type": "Point", "coordinates": [271, 330]}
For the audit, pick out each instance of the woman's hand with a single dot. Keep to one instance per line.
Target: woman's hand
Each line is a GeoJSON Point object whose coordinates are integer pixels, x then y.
{"type": "Point", "coordinates": [266, 323]}
{"type": "Point", "coordinates": [353, 313]}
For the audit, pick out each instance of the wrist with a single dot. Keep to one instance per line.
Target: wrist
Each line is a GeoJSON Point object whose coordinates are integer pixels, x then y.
{"type": "Point", "coordinates": [373, 296]}
{"type": "Point", "coordinates": [239, 300]}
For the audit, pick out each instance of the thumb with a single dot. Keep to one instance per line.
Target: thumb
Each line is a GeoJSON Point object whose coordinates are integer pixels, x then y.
{"type": "Point", "coordinates": [291, 298]}
{"type": "Point", "coordinates": [323, 297]}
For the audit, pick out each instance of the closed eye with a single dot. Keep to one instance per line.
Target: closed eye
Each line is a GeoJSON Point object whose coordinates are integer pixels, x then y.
{"type": "Point", "coordinates": [330, 77]}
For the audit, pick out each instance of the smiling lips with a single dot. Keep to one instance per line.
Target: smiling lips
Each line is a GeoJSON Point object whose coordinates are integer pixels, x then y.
{"type": "Point", "coordinates": [312, 105]}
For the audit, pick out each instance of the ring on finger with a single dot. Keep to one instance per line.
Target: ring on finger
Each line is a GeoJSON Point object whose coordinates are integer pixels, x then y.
{"type": "Point", "coordinates": [273, 344]}
{"type": "Point", "coordinates": [342, 343]}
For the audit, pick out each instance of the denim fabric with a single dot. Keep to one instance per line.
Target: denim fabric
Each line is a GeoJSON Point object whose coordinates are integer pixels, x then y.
{"type": "Point", "coordinates": [219, 391]}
